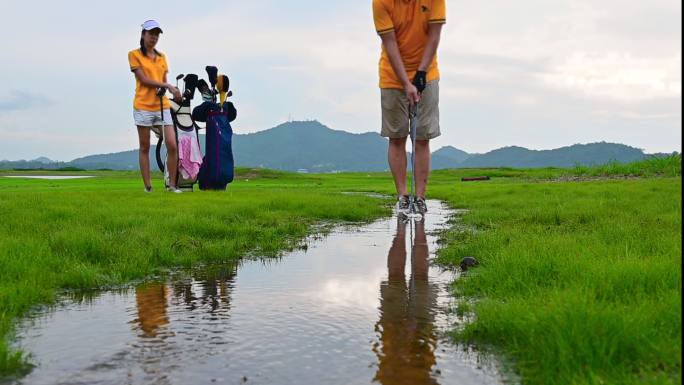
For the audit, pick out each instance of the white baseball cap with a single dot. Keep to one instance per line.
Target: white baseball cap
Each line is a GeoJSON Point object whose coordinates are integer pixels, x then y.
{"type": "Point", "coordinates": [150, 25]}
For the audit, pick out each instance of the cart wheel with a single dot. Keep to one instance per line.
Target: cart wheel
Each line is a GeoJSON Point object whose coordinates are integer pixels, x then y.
{"type": "Point", "coordinates": [160, 163]}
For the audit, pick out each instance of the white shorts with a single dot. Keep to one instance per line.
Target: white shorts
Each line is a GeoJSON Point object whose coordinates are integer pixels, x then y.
{"type": "Point", "coordinates": [151, 119]}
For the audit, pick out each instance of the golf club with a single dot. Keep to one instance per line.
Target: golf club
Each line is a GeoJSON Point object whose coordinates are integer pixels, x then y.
{"type": "Point", "coordinates": [179, 77]}
{"type": "Point", "coordinates": [161, 91]}
{"type": "Point", "coordinates": [223, 84]}
{"type": "Point", "coordinates": [212, 73]}
{"type": "Point", "coordinates": [413, 121]}
{"type": "Point", "coordinates": [191, 81]}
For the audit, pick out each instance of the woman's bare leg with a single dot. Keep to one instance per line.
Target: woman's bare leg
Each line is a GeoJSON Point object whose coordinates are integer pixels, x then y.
{"type": "Point", "coordinates": [144, 154]}
{"type": "Point", "coordinates": [171, 154]}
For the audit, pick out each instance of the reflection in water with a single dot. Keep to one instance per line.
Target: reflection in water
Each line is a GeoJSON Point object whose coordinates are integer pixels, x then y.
{"type": "Point", "coordinates": [407, 338]}
{"type": "Point", "coordinates": [151, 303]}
{"type": "Point", "coordinates": [306, 319]}
{"type": "Point", "coordinates": [164, 334]}
{"type": "Point", "coordinates": [214, 285]}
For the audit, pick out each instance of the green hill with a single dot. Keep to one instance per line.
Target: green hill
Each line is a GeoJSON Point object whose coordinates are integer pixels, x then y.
{"type": "Point", "coordinates": [313, 147]}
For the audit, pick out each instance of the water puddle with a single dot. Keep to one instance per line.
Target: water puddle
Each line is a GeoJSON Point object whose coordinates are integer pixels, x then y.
{"type": "Point", "coordinates": [359, 306]}
{"type": "Point", "coordinates": [50, 177]}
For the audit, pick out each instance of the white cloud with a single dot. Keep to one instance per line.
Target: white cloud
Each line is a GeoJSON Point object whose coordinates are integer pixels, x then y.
{"type": "Point", "coordinates": [510, 70]}
{"type": "Point", "coordinates": [619, 76]}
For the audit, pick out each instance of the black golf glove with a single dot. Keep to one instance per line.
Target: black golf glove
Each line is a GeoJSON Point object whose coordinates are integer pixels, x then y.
{"type": "Point", "coordinates": [420, 81]}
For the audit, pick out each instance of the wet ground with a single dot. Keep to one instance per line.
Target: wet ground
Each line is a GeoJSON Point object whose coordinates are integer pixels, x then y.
{"type": "Point", "coordinates": [359, 306]}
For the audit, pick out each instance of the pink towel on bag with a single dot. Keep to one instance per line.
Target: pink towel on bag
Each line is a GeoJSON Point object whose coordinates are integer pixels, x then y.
{"type": "Point", "coordinates": [190, 156]}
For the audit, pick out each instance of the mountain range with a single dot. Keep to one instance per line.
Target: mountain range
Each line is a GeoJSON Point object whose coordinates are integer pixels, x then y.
{"type": "Point", "coordinates": [309, 146]}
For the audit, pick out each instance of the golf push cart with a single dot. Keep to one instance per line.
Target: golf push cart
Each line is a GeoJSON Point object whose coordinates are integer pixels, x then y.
{"type": "Point", "coordinates": [215, 169]}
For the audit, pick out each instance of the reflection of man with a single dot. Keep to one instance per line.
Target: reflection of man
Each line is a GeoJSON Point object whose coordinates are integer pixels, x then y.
{"type": "Point", "coordinates": [151, 302]}
{"type": "Point", "coordinates": [406, 352]}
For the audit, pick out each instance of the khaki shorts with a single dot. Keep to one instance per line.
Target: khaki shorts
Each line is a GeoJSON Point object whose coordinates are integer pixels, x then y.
{"type": "Point", "coordinates": [395, 105]}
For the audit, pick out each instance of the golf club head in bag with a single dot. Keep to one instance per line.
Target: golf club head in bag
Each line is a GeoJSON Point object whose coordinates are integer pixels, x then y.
{"type": "Point", "coordinates": [223, 84]}
{"type": "Point", "coordinates": [191, 81]}
{"type": "Point", "coordinates": [212, 73]}
{"type": "Point", "coordinates": [206, 92]}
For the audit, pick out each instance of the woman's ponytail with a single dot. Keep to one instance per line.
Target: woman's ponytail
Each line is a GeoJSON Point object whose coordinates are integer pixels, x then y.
{"type": "Point", "coordinates": [142, 45]}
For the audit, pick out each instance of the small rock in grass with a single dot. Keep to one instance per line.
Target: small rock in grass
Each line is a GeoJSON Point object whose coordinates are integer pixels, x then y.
{"type": "Point", "coordinates": [468, 262]}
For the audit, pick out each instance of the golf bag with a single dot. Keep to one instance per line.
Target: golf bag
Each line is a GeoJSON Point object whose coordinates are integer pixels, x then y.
{"type": "Point", "coordinates": [218, 164]}
{"type": "Point", "coordinates": [187, 140]}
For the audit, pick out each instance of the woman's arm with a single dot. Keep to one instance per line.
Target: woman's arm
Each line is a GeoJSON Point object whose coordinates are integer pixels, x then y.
{"type": "Point", "coordinates": [144, 80]}
{"type": "Point", "coordinates": [174, 90]}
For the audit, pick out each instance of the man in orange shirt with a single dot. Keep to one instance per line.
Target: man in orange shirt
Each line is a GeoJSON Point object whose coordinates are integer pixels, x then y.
{"type": "Point", "coordinates": [410, 32]}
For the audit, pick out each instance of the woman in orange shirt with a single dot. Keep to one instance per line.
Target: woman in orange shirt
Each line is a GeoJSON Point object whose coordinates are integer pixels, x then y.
{"type": "Point", "coordinates": [150, 69]}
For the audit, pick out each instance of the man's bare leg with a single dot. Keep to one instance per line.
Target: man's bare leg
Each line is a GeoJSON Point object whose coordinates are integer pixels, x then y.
{"type": "Point", "coordinates": [422, 166]}
{"type": "Point", "coordinates": [396, 156]}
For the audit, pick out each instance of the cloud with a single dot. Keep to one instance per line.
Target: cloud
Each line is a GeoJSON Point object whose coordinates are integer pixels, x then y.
{"type": "Point", "coordinates": [618, 76]}
{"type": "Point", "coordinates": [536, 73]}
{"type": "Point", "coordinates": [21, 100]}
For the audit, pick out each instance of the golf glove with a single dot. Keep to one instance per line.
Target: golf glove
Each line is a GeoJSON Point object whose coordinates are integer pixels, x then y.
{"type": "Point", "coordinates": [420, 81]}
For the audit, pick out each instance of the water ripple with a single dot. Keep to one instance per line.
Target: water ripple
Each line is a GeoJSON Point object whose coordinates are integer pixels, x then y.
{"type": "Point", "coordinates": [359, 306]}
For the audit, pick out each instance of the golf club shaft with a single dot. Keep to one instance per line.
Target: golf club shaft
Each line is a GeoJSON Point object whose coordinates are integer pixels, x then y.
{"type": "Point", "coordinates": [413, 151]}
{"type": "Point", "coordinates": [413, 113]}
{"type": "Point", "coordinates": [161, 111]}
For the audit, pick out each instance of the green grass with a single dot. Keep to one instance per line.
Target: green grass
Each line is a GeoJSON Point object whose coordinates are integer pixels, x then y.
{"type": "Point", "coordinates": [669, 166]}
{"type": "Point", "coordinates": [579, 283]}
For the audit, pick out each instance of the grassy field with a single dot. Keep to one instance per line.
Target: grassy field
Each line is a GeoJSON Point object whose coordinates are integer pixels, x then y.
{"type": "Point", "coordinates": [580, 283]}
{"type": "Point", "coordinates": [580, 276]}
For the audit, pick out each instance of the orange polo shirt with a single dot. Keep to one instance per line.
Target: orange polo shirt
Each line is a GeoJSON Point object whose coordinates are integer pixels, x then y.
{"type": "Point", "coordinates": [409, 20]}
{"type": "Point", "coordinates": [146, 98]}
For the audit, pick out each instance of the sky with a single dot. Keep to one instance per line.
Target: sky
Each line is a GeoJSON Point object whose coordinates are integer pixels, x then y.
{"type": "Point", "coordinates": [533, 73]}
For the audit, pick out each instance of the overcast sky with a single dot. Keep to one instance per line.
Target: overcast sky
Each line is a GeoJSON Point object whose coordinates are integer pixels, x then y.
{"type": "Point", "coordinates": [534, 73]}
